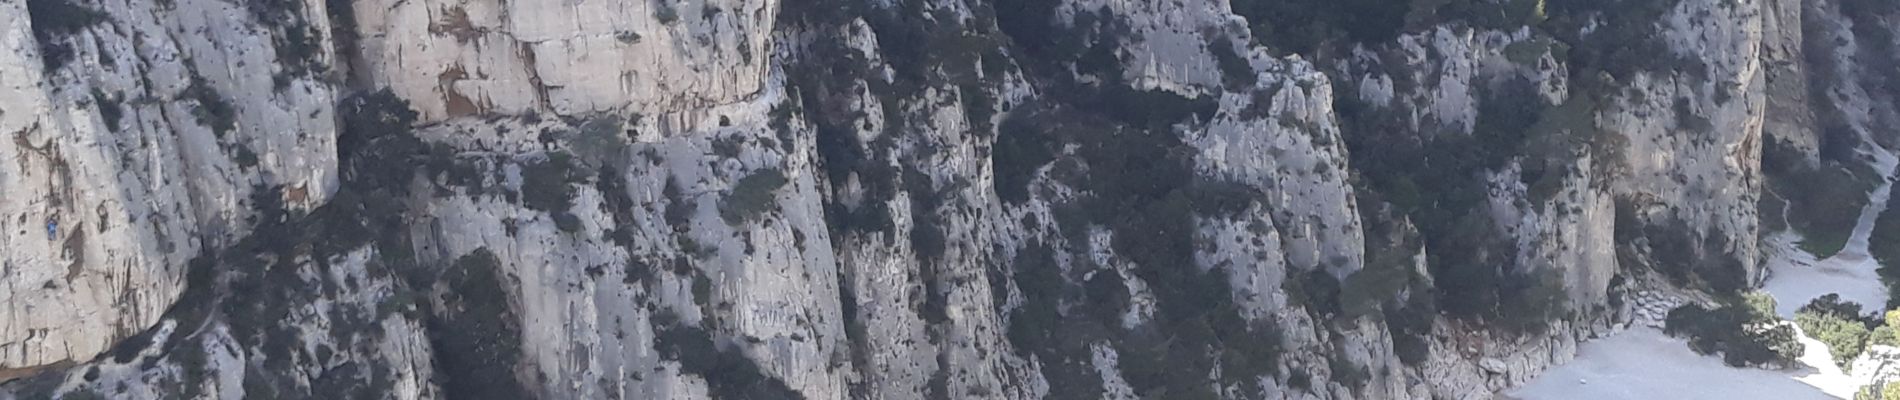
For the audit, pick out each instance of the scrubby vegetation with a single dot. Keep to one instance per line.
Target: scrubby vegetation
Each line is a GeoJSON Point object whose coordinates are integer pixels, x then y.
{"type": "Point", "coordinates": [256, 287]}
{"type": "Point", "coordinates": [52, 21]}
{"type": "Point", "coordinates": [211, 108]}
{"type": "Point", "coordinates": [1133, 177]}
{"type": "Point", "coordinates": [752, 196]}
{"type": "Point", "coordinates": [1623, 39]}
{"type": "Point", "coordinates": [729, 373]}
{"type": "Point", "coordinates": [1888, 333]}
{"type": "Point", "coordinates": [1744, 331]}
{"type": "Point", "coordinates": [1682, 255]}
{"type": "Point", "coordinates": [1884, 245]}
{"type": "Point", "coordinates": [298, 45]}
{"type": "Point", "coordinates": [1890, 391]}
{"type": "Point", "coordinates": [1303, 26]}
{"type": "Point", "coordinates": [546, 183]}
{"type": "Point", "coordinates": [1139, 186]}
{"type": "Point", "coordinates": [1837, 324]}
{"type": "Point", "coordinates": [1823, 198]}
{"type": "Point", "coordinates": [480, 342]}
{"type": "Point", "coordinates": [1438, 182]}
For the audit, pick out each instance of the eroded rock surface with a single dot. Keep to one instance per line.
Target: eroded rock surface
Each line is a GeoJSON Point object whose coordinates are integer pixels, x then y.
{"type": "Point", "coordinates": [909, 199]}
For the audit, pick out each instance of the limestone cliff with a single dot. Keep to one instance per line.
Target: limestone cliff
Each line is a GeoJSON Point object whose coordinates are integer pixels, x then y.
{"type": "Point", "coordinates": [138, 134]}
{"type": "Point", "coordinates": [901, 199]}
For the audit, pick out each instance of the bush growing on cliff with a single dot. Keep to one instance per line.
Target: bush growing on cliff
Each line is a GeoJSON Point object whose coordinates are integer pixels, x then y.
{"type": "Point", "coordinates": [1303, 26]}
{"type": "Point", "coordinates": [52, 21]}
{"type": "Point", "coordinates": [1744, 331]}
{"type": "Point", "coordinates": [478, 340]}
{"type": "Point", "coordinates": [752, 196]}
{"type": "Point", "coordinates": [544, 183]}
{"type": "Point", "coordinates": [212, 108]}
{"type": "Point", "coordinates": [729, 373]}
{"type": "Point", "coordinates": [1884, 244]}
{"type": "Point", "coordinates": [1438, 182]}
{"type": "Point", "coordinates": [1824, 197]}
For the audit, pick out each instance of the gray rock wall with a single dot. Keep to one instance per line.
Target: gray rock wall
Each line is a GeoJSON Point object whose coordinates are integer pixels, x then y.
{"type": "Point", "coordinates": [919, 199]}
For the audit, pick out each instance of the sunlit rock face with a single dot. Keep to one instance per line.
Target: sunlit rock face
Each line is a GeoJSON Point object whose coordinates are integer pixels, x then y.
{"type": "Point", "coordinates": [909, 199]}
{"type": "Point", "coordinates": [141, 134]}
{"type": "Point", "coordinates": [455, 58]}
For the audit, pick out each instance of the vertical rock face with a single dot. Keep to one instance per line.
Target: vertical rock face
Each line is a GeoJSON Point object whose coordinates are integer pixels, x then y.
{"type": "Point", "coordinates": [455, 58]}
{"type": "Point", "coordinates": [1708, 154]}
{"type": "Point", "coordinates": [138, 135]}
{"type": "Point", "coordinates": [905, 199]}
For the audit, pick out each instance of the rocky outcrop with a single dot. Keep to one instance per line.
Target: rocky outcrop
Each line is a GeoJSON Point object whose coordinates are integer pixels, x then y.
{"type": "Point", "coordinates": [455, 58]}
{"type": "Point", "coordinates": [138, 135]}
{"type": "Point", "coordinates": [1707, 152]}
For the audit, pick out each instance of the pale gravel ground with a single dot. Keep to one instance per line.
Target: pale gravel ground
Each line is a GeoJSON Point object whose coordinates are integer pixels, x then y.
{"type": "Point", "coordinates": [1642, 363]}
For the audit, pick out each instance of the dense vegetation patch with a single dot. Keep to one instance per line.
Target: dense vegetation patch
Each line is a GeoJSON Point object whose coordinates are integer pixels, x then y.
{"type": "Point", "coordinates": [752, 196]}
{"type": "Point", "coordinates": [211, 108]}
{"type": "Point", "coordinates": [546, 183]}
{"type": "Point", "coordinates": [729, 373]}
{"type": "Point", "coordinates": [1681, 254]}
{"type": "Point", "coordinates": [1823, 199]}
{"type": "Point", "coordinates": [1623, 39]}
{"type": "Point", "coordinates": [1438, 181]}
{"type": "Point", "coordinates": [1303, 26]}
{"type": "Point", "coordinates": [1743, 330]}
{"type": "Point", "coordinates": [476, 336]}
{"type": "Point", "coordinates": [1137, 181]}
{"type": "Point", "coordinates": [1884, 245]}
{"type": "Point", "coordinates": [298, 45]}
{"type": "Point", "coordinates": [1836, 324]}
{"type": "Point", "coordinates": [52, 21]}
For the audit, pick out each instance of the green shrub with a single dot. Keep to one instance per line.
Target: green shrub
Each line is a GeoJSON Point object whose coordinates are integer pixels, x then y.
{"type": "Point", "coordinates": [1831, 305]}
{"type": "Point", "coordinates": [1837, 324]}
{"type": "Point", "coordinates": [729, 373]}
{"type": "Point", "coordinates": [1888, 333]}
{"type": "Point", "coordinates": [1844, 338]}
{"type": "Point", "coordinates": [1761, 304]}
{"type": "Point", "coordinates": [544, 183]}
{"type": "Point", "coordinates": [1884, 244]}
{"type": "Point", "coordinates": [1236, 72]}
{"type": "Point", "coordinates": [752, 196]}
{"type": "Point", "coordinates": [211, 108]}
{"type": "Point", "coordinates": [1744, 333]}
{"type": "Point", "coordinates": [1410, 325]}
{"type": "Point", "coordinates": [1018, 152]}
